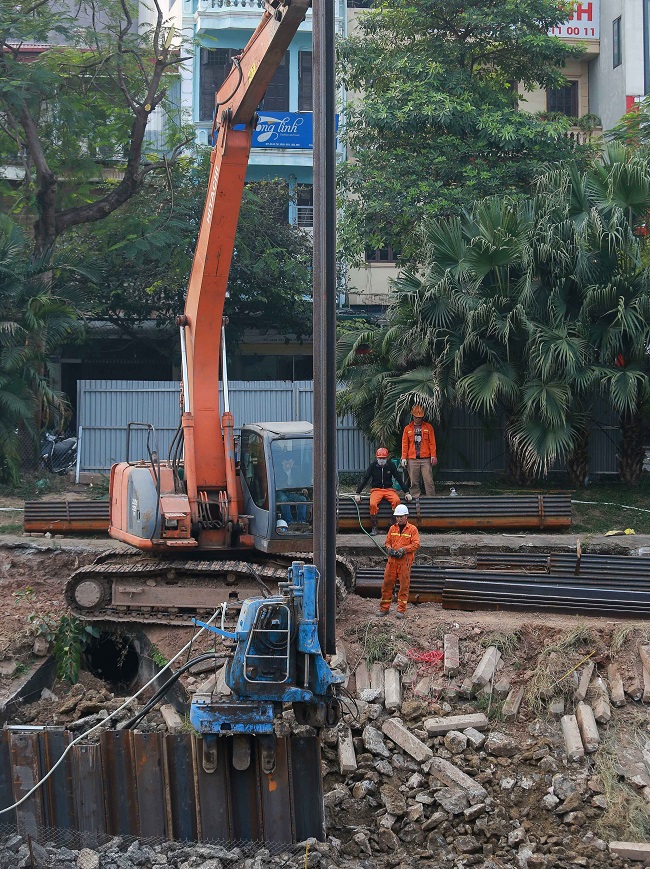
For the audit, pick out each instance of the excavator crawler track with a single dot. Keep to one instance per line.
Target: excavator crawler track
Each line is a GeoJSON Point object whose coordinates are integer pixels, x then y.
{"type": "Point", "coordinates": [169, 591]}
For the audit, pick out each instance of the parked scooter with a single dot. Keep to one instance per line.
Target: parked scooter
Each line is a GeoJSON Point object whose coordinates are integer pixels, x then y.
{"type": "Point", "coordinates": [58, 453]}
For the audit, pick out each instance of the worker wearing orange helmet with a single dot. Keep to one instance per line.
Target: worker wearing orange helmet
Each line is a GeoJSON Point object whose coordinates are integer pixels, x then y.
{"type": "Point", "coordinates": [381, 474]}
{"type": "Point", "coordinates": [402, 542]}
{"type": "Point", "coordinates": [419, 451]}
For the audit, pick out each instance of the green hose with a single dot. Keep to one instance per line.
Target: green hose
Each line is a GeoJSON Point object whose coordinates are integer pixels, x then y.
{"type": "Point", "coordinates": [378, 545]}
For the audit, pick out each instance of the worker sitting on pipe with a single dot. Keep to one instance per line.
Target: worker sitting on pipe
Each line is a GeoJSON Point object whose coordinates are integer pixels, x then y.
{"type": "Point", "coordinates": [381, 474]}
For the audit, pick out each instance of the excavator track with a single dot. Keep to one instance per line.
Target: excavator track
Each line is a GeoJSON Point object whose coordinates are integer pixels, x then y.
{"type": "Point", "coordinates": [170, 591]}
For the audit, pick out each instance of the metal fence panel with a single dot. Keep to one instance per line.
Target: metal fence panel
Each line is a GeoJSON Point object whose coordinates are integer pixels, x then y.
{"type": "Point", "coordinates": [468, 447]}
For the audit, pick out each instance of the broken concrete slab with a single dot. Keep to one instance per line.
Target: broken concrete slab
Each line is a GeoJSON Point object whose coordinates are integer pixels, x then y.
{"type": "Point", "coordinates": [362, 677]}
{"type": "Point", "coordinates": [347, 755]}
{"type": "Point", "coordinates": [588, 727]}
{"type": "Point", "coordinates": [502, 687]}
{"type": "Point", "coordinates": [646, 685]}
{"type": "Point", "coordinates": [466, 690]}
{"type": "Point", "coordinates": [395, 730]}
{"type": "Point", "coordinates": [423, 687]}
{"type": "Point", "coordinates": [556, 707]}
{"type": "Point", "coordinates": [400, 662]}
{"type": "Point", "coordinates": [583, 684]}
{"type": "Point", "coordinates": [374, 741]}
{"type": "Point", "coordinates": [486, 667]}
{"type": "Point", "coordinates": [453, 777]}
{"type": "Point", "coordinates": [392, 688]}
{"type": "Point", "coordinates": [572, 739]}
{"type": "Point", "coordinates": [438, 726]}
{"type": "Point", "coordinates": [616, 691]}
{"type": "Point", "coordinates": [634, 689]}
{"type": "Point", "coordinates": [513, 702]}
{"type": "Point", "coordinates": [171, 718]}
{"type": "Point", "coordinates": [475, 739]}
{"type": "Point", "coordinates": [377, 680]}
{"type": "Point", "coordinates": [452, 654]}
{"type": "Point", "coordinates": [602, 711]}
{"type": "Point", "coordinates": [631, 850]}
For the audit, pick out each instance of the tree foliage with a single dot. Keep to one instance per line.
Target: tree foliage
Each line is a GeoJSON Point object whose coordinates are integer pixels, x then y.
{"type": "Point", "coordinates": [39, 312]}
{"type": "Point", "coordinates": [524, 312]}
{"type": "Point", "coordinates": [144, 251]}
{"type": "Point", "coordinates": [89, 96]}
{"type": "Point", "coordinates": [436, 125]}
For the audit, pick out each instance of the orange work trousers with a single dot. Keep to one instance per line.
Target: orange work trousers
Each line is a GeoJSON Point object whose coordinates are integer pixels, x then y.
{"type": "Point", "coordinates": [397, 569]}
{"type": "Point", "coordinates": [377, 495]}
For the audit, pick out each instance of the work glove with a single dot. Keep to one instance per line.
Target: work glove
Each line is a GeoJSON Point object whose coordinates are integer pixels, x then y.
{"type": "Point", "coordinates": [402, 463]}
{"type": "Point", "coordinates": [434, 460]}
{"type": "Point", "coordinates": [391, 552]}
{"type": "Point", "coordinates": [408, 496]}
{"type": "Point", "coordinates": [399, 553]}
{"type": "Point", "coordinates": [357, 498]}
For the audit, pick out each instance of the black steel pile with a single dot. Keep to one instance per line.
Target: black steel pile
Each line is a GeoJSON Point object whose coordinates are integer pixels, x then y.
{"type": "Point", "coordinates": [589, 584]}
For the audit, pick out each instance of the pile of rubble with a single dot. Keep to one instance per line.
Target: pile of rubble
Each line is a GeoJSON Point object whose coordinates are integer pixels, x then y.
{"type": "Point", "coordinates": [407, 787]}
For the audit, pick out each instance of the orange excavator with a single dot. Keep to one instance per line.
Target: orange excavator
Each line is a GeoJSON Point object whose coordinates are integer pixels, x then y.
{"type": "Point", "coordinates": [206, 517]}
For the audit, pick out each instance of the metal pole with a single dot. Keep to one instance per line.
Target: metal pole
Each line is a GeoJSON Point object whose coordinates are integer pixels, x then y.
{"type": "Point", "coordinates": [325, 478]}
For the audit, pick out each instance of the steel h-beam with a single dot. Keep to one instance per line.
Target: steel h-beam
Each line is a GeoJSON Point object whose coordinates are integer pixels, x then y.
{"type": "Point", "coordinates": [324, 326]}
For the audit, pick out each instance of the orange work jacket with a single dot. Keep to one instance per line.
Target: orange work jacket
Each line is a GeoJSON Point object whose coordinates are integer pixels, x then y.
{"type": "Point", "coordinates": [406, 537]}
{"type": "Point", "coordinates": [427, 447]}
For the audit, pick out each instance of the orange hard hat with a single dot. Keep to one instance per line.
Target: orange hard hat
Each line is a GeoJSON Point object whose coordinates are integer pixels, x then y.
{"type": "Point", "coordinates": [418, 410]}
{"type": "Point", "coordinates": [382, 453]}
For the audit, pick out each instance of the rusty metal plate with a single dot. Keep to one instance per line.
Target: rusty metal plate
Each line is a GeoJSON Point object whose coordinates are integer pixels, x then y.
{"type": "Point", "coordinates": [6, 780]}
{"type": "Point", "coordinates": [23, 748]}
{"type": "Point", "coordinates": [214, 795]}
{"type": "Point", "coordinates": [245, 796]}
{"type": "Point", "coordinates": [307, 787]}
{"type": "Point", "coordinates": [58, 796]}
{"type": "Point", "coordinates": [120, 797]}
{"type": "Point", "coordinates": [179, 757]}
{"type": "Point", "coordinates": [275, 788]}
{"type": "Point", "coordinates": [150, 781]}
{"type": "Point", "coordinates": [89, 792]}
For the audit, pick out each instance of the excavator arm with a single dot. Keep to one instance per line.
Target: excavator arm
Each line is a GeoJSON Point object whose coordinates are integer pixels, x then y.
{"type": "Point", "coordinates": [209, 450]}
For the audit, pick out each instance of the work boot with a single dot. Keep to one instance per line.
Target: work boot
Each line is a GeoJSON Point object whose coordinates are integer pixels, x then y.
{"type": "Point", "coordinates": [382, 613]}
{"type": "Point", "coordinates": [400, 614]}
{"type": "Point", "coordinates": [374, 530]}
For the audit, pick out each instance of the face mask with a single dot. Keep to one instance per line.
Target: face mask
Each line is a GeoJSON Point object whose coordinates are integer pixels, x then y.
{"type": "Point", "coordinates": [381, 462]}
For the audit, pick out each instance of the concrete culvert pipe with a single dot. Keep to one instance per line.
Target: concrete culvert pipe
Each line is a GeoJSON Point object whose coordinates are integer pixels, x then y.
{"type": "Point", "coordinates": [114, 659]}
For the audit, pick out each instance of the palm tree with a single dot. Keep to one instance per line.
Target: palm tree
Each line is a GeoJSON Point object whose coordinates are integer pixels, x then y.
{"type": "Point", "coordinates": [38, 314]}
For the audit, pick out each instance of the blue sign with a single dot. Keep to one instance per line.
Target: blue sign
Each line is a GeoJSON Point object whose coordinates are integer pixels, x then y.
{"type": "Point", "coordinates": [284, 130]}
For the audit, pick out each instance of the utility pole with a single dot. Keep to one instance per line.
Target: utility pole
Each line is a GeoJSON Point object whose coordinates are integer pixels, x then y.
{"type": "Point", "coordinates": [324, 329]}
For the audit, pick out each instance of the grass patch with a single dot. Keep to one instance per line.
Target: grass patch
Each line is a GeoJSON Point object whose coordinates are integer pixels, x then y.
{"type": "Point", "coordinates": [11, 527]}
{"type": "Point", "coordinates": [626, 818]}
{"type": "Point", "coordinates": [507, 644]}
{"type": "Point", "coordinates": [555, 661]}
{"type": "Point", "coordinates": [381, 642]}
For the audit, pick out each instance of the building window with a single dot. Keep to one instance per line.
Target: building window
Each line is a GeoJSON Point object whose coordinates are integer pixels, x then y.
{"type": "Point", "coordinates": [563, 100]}
{"type": "Point", "coordinates": [617, 52]}
{"type": "Point", "coordinates": [215, 66]}
{"type": "Point", "coordinates": [305, 205]}
{"type": "Point", "coordinates": [304, 82]}
{"type": "Point", "coordinates": [276, 98]}
{"type": "Point", "coordinates": [381, 255]}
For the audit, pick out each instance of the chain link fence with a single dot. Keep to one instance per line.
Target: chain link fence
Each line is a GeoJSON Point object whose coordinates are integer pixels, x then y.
{"type": "Point", "coordinates": [50, 848]}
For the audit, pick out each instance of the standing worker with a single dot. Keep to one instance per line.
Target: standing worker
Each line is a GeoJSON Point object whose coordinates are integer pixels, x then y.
{"type": "Point", "coordinates": [381, 474]}
{"type": "Point", "coordinates": [419, 450]}
{"type": "Point", "coordinates": [402, 542]}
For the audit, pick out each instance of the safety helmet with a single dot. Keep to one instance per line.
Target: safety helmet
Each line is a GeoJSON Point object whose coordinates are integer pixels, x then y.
{"type": "Point", "coordinates": [281, 526]}
{"type": "Point", "coordinates": [417, 410]}
{"type": "Point", "coordinates": [382, 453]}
{"type": "Point", "coordinates": [401, 510]}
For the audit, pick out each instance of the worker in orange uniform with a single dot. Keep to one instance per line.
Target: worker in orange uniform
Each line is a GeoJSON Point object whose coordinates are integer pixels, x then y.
{"type": "Point", "coordinates": [402, 542]}
{"type": "Point", "coordinates": [381, 474]}
{"type": "Point", "coordinates": [419, 451]}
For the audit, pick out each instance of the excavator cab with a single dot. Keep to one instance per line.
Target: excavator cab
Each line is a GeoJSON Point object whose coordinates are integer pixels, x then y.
{"type": "Point", "coordinates": [276, 471]}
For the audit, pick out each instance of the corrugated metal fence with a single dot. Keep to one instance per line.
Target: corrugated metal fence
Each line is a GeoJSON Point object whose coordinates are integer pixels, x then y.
{"type": "Point", "coordinates": [467, 448]}
{"type": "Point", "coordinates": [105, 407]}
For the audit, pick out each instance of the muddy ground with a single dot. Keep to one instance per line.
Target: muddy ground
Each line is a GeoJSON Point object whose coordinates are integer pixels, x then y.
{"type": "Point", "coordinates": [602, 797]}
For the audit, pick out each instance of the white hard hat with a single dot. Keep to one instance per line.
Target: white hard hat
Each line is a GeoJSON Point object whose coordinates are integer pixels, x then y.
{"type": "Point", "coordinates": [401, 510]}
{"type": "Point", "coordinates": [281, 526]}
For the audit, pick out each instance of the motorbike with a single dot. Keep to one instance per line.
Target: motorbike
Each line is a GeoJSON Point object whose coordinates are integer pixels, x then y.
{"type": "Point", "coordinates": [58, 453]}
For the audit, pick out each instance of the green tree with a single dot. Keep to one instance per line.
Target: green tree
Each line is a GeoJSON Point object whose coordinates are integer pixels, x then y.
{"type": "Point", "coordinates": [435, 124]}
{"type": "Point", "coordinates": [38, 313]}
{"type": "Point", "coordinates": [91, 96]}
{"type": "Point", "coordinates": [145, 250]}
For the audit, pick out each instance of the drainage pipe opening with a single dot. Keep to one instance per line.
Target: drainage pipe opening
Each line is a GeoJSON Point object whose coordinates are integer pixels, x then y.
{"type": "Point", "coordinates": [114, 659]}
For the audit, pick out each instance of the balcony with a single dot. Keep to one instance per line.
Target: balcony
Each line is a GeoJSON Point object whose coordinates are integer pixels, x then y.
{"type": "Point", "coordinates": [580, 136]}
{"type": "Point", "coordinates": [245, 15]}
